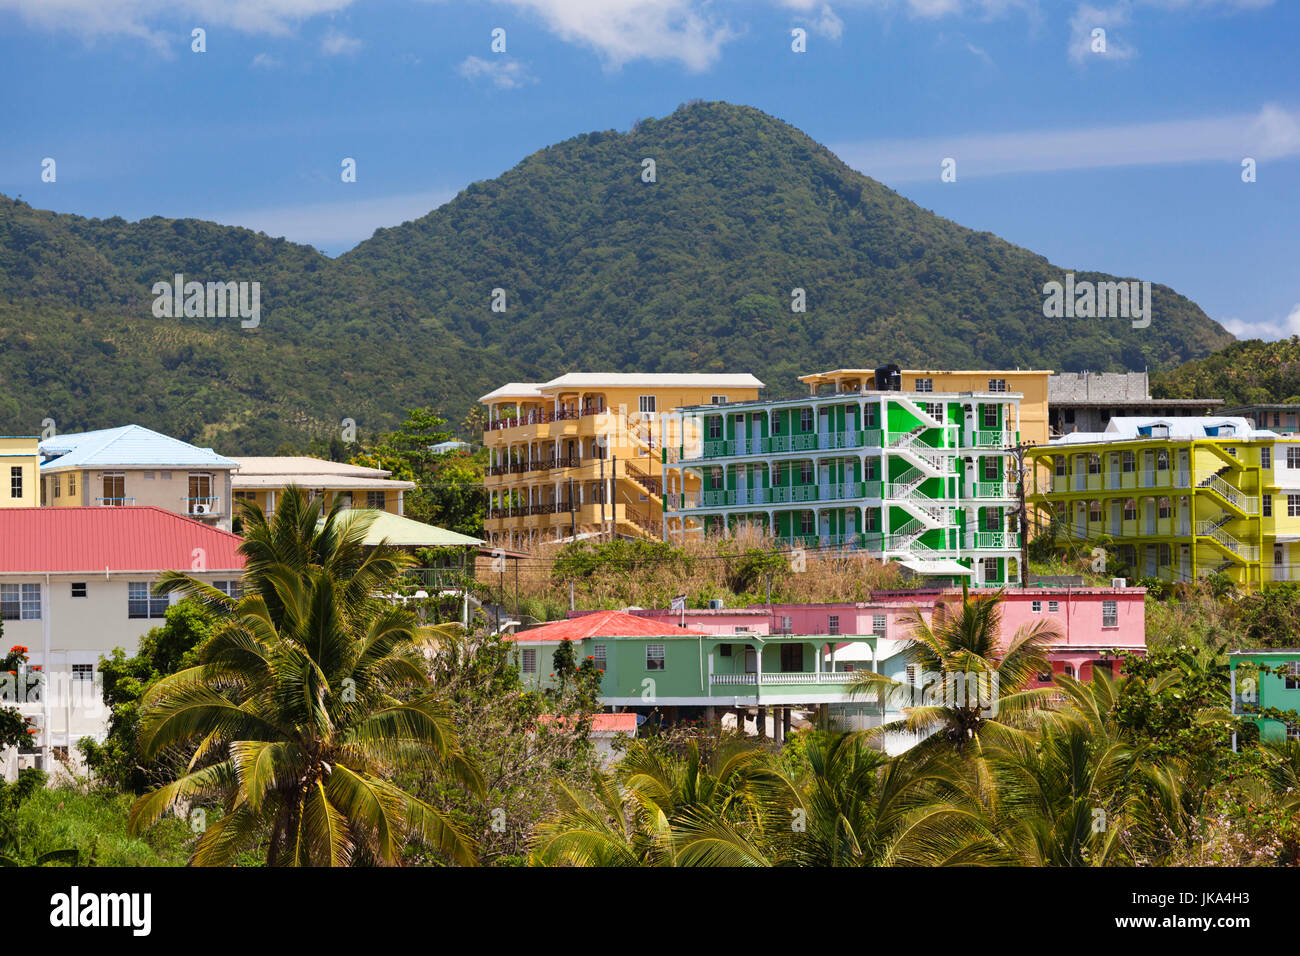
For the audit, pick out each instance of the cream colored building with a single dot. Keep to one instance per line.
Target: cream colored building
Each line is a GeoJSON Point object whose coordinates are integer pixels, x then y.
{"type": "Point", "coordinates": [134, 466]}
{"type": "Point", "coordinates": [75, 583]}
{"type": "Point", "coordinates": [582, 453]}
{"type": "Point", "coordinates": [262, 480]}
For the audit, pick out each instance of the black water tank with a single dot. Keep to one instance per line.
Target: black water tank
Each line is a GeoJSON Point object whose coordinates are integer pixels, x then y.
{"type": "Point", "coordinates": [889, 379]}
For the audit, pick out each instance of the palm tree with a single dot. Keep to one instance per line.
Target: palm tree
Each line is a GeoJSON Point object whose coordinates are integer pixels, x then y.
{"type": "Point", "coordinates": [979, 681]}
{"type": "Point", "coordinates": [863, 809]}
{"type": "Point", "coordinates": [668, 810]}
{"type": "Point", "coordinates": [311, 693]}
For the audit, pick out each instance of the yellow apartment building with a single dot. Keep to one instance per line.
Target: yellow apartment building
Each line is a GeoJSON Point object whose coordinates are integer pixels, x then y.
{"type": "Point", "coordinates": [1180, 498]}
{"type": "Point", "coordinates": [20, 470]}
{"type": "Point", "coordinates": [581, 453]}
{"type": "Point", "coordinates": [262, 480]}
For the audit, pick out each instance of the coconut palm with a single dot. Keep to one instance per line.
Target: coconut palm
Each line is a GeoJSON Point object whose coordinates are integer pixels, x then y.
{"type": "Point", "coordinates": [310, 695]}
{"type": "Point", "coordinates": [863, 809]}
{"type": "Point", "coordinates": [979, 681]}
{"type": "Point", "coordinates": [669, 810]}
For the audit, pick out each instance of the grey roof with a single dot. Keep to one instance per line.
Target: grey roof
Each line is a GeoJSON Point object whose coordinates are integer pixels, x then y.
{"type": "Point", "coordinates": [126, 446]}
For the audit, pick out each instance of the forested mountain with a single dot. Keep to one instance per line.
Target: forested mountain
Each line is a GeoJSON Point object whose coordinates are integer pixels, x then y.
{"type": "Point", "coordinates": [601, 270]}
{"type": "Point", "coordinates": [1244, 373]}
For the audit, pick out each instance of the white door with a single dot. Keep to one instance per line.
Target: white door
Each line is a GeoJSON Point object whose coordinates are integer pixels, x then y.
{"type": "Point", "coordinates": [1281, 571]}
{"type": "Point", "coordinates": [824, 528]}
{"type": "Point", "coordinates": [756, 433]}
{"type": "Point", "coordinates": [742, 484]}
{"type": "Point", "coordinates": [1151, 516]}
{"type": "Point", "coordinates": [740, 435]}
{"type": "Point", "coordinates": [824, 481]}
{"type": "Point", "coordinates": [823, 427]}
{"type": "Point", "coordinates": [1116, 516]}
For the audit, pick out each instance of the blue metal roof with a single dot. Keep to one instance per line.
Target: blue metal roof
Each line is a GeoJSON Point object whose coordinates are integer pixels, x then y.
{"type": "Point", "coordinates": [129, 445]}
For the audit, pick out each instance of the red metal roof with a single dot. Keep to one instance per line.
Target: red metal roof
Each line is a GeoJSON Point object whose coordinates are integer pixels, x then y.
{"type": "Point", "coordinates": [604, 624]}
{"type": "Point", "coordinates": [143, 538]}
{"type": "Point", "coordinates": [624, 723]}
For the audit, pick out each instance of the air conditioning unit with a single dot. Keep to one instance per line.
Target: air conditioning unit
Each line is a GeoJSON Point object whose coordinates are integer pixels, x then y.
{"type": "Point", "coordinates": [716, 604]}
{"type": "Point", "coordinates": [1119, 582]}
{"type": "Point", "coordinates": [200, 509]}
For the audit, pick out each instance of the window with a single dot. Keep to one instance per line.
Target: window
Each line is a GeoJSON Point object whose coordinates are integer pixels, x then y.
{"type": "Point", "coordinates": [1266, 457]}
{"type": "Point", "coordinates": [78, 588]}
{"type": "Point", "coordinates": [1094, 511]}
{"type": "Point", "coordinates": [1293, 731]}
{"type": "Point", "coordinates": [58, 486]}
{"type": "Point", "coordinates": [869, 417]}
{"type": "Point", "coordinates": [1293, 506]}
{"type": "Point", "coordinates": [1060, 465]}
{"type": "Point", "coordinates": [990, 569]}
{"type": "Point", "coordinates": [654, 657]}
{"type": "Point", "coordinates": [1053, 607]}
{"type": "Point", "coordinates": [715, 427]}
{"type": "Point", "coordinates": [715, 478]}
{"type": "Point", "coordinates": [805, 473]}
{"type": "Point", "coordinates": [1292, 677]}
{"type": "Point", "coordinates": [1110, 614]}
{"type": "Point", "coordinates": [83, 672]}
{"type": "Point", "coordinates": [15, 482]}
{"type": "Point", "coordinates": [1036, 607]}
{"type": "Point", "coordinates": [1267, 502]}
{"type": "Point", "coordinates": [925, 385]}
{"type": "Point", "coordinates": [1162, 460]}
{"type": "Point", "coordinates": [992, 469]}
{"type": "Point", "coordinates": [878, 625]}
{"type": "Point", "coordinates": [1293, 456]}
{"type": "Point", "coordinates": [806, 525]}
{"type": "Point", "coordinates": [148, 476]}
{"type": "Point", "coordinates": [1130, 510]}
{"type": "Point", "coordinates": [997, 385]}
{"type": "Point", "coordinates": [233, 589]}
{"type": "Point", "coordinates": [1128, 463]}
{"type": "Point", "coordinates": [991, 416]}
{"type": "Point", "coordinates": [718, 400]}
{"type": "Point", "coordinates": [646, 404]}
{"type": "Point", "coordinates": [529, 660]}
{"type": "Point", "coordinates": [935, 410]}
{"type": "Point", "coordinates": [724, 650]}
{"type": "Point", "coordinates": [114, 488]}
{"type": "Point", "coordinates": [1094, 464]}
{"type": "Point", "coordinates": [777, 418]}
{"type": "Point", "coordinates": [72, 483]}
{"type": "Point", "coordinates": [1164, 555]}
{"type": "Point", "coordinates": [787, 624]}
{"type": "Point", "coordinates": [833, 624]}
{"type": "Point", "coordinates": [598, 656]}
{"type": "Point", "coordinates": [377, 499]}
{"type": "Point", "coordinates": [20, 602]}
{"type": "Point", "coordinates": [200, 489]}
{"type": "Point", "coordinates": [806, 420]}
{"type": "Point", "coordinates": [1163, 508]}
{"type": "Point", "coordinates": [141, 603]}
{"type": "Point", "coordinates": [791, 658]}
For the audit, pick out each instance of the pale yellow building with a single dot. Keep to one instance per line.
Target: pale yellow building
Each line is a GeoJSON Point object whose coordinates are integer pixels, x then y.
{"type": "Point", "coordinates": [262, 480]}
{"type": "Point", "coordinates": [1031, 384]}
{"type": "Point", "coordinates": [20, 470]}
{"type": "Point", "coordinates": [582, 453]}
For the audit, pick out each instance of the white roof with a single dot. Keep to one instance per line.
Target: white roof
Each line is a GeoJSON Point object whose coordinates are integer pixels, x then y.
{"type": "Point", "coordinates": [278, 471]}
{"type": "Point", "coordinates": [1181, 428]}
{"type": "Point", "coordinates": [934, 567]}
{"type": "Point", "coordinates": [572, 380]}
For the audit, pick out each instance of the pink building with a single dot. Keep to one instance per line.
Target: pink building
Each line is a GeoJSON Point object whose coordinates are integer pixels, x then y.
{"type": "Point", "coordinates": [1092, 620]}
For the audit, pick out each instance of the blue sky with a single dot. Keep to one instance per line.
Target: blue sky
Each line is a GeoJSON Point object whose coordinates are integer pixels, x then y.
{"type": "Point", "coordinates": [1127, 161]}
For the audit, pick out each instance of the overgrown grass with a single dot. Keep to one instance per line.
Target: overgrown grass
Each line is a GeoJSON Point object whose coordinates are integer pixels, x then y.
{"type": "Point", "coordinates": [95, 825]}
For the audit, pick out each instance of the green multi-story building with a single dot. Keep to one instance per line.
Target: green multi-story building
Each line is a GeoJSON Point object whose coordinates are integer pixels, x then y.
{"type": "Point", "coordinates": [1179, 498]}
{"type": "Point", "coordinates": [923, 477]}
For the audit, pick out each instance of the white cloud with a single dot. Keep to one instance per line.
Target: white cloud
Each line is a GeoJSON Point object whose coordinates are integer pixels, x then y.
{"type": "Point", "coordinates": [336, 225]}
{"type": "Point", "coordinates": [1269, 331]}
{"type": "Point", "coordinates": [502, 73]}
{"type": "Point", "coordinates": [140, 18]}
{"type": "Point", "coordinates": [265, 61]}
{"type": "Point", "coordinates": [334, 43]}
{"type": "Point", "coordinates": [1271, 133]}
{"type": "Point", "coordinates": [1088, 18]}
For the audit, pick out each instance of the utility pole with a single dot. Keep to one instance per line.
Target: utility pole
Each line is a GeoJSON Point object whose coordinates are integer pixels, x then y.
{"type": "Point", "coordinates": [573, 526]}
{"type": "Point", "coordinates": [603, 494]}
{"type": "Point", "coordinates": [1022, 519]}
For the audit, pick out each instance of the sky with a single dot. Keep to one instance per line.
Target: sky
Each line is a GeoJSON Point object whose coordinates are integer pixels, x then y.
{"type": "Point", "coordinates": [1120, 152]}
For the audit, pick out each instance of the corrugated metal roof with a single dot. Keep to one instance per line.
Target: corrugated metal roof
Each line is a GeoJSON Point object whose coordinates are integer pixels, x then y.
{"type": "Point", "coordinates": [93, 539]}
{"type": "Point", "coordinates": [129, 445]}
{"type": "Point", "coordinates": [400, 531]}
{"type": "Point", "coordinates": [604, 624]}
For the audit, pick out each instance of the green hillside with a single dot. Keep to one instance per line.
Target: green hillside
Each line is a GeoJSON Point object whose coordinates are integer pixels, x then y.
{"type": "Point", "coordinates": [601, 271]}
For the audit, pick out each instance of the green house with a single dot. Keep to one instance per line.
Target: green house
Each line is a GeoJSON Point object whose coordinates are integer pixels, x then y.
{"type": "Point", "coordinates": [1264, 680]}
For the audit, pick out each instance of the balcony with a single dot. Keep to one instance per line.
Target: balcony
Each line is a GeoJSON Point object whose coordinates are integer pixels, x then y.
{"type": "Point", "coordinates": [839, 678]}
{"type": "Point", "coordinates": [202, 507]}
